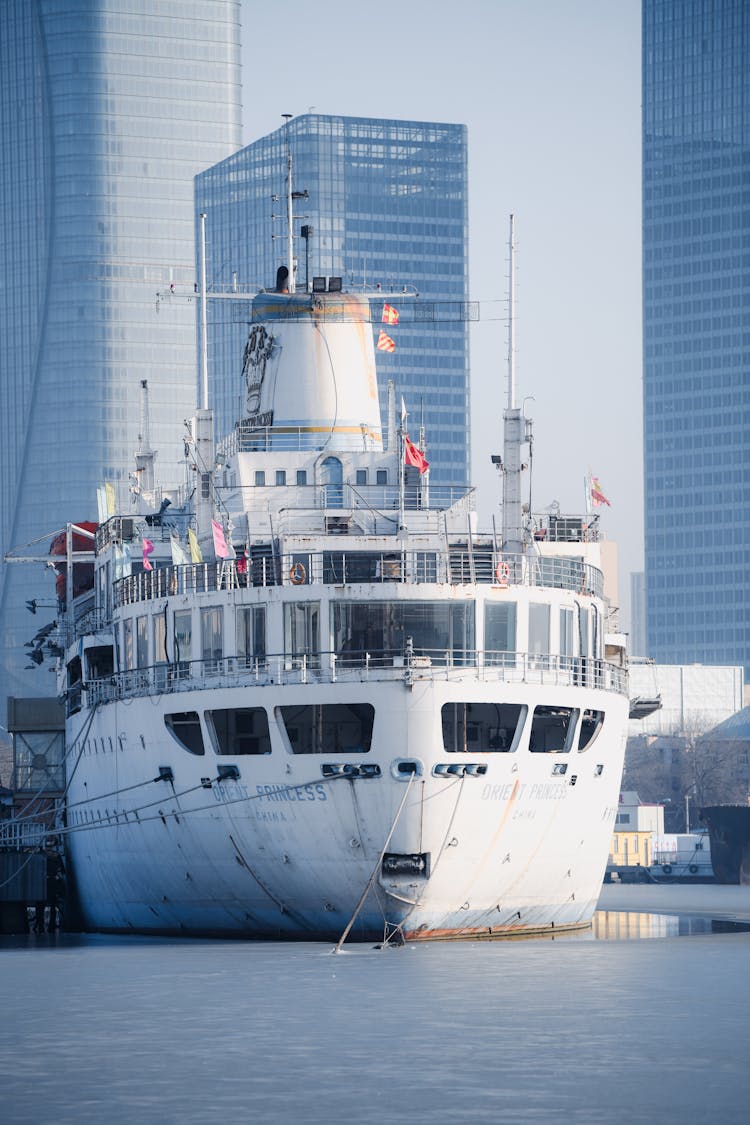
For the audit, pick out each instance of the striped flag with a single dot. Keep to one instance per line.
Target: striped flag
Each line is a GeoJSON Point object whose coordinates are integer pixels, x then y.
{"type": "Point", "coordinates": [390, 315]}
{"type": "Point", "coordinates": [597, 496]}
{"type": "Point", "coordinates": [385, 343]}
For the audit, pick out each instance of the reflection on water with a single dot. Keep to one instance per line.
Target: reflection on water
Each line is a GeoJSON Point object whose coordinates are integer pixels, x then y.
{"type": "Point", "coordinates": [626, 924]}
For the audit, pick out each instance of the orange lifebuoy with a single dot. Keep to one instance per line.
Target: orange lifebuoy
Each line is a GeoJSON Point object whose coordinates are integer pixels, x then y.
{"type": "Point", "coordinates": [502, 573]}
{"type": "Point", "coordinates": [297, 574]}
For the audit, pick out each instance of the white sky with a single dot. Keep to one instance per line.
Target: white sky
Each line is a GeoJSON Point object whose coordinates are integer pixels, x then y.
{"type": "Point", "coordinates": [551, 92]}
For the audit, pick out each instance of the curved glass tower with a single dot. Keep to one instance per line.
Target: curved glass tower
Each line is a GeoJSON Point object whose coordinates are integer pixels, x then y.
{"type": "Point", "coordinates": [108, 108]}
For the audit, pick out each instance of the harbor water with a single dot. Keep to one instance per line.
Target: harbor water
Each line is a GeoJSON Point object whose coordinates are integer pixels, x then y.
{"type": "Point", "coordinates": [643, 1019]}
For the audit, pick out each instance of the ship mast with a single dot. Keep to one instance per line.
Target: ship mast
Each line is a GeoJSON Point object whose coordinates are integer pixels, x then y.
{"type": "Point", "coordinates": [512, 426]}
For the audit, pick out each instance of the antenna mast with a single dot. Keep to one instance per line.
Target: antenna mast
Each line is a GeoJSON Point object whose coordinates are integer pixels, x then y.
{"type": "Point", "coordinates": [204, 334]}
{"type": "Point", "coordinates": [512, 426]}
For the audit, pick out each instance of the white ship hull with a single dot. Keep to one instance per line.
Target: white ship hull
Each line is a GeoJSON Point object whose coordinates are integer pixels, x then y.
{"type": "Point", "coordinates": [284, 852]}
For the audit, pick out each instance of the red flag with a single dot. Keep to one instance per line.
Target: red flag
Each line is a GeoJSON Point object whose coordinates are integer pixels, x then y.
{"type": "Point", "coordinates": [148, 547]}
{"type": "Point", "coordinates": [385, 343]}
{"type": "Point", "coordinates": [390, 315]}
{"type": "Point", "coordinates": [414, 456]}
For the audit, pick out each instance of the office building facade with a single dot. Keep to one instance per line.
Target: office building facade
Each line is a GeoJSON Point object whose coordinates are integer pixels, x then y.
{"type": "Point", "coordinates": [108, 108]}
{"type": "Point", "coordinates": [386, 210]}
{"type": "Point", "coordinates": [696, 300]}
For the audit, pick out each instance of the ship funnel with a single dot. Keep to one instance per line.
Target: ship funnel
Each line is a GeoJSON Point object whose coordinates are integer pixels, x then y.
{"type": "Point", "coordinates": [309, 372]}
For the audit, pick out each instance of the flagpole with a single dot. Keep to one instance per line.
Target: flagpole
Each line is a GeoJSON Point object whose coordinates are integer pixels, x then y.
{"type": "Point", "coordinates": [402, 467]}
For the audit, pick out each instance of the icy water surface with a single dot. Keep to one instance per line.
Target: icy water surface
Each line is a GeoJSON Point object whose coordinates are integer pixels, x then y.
{"type": "Point", "coordinates": [572, 1030]}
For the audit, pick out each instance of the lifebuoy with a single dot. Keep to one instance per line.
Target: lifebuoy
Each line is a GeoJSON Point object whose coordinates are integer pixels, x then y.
{"type": "Point", "coordinates": [502, 573]}
{"type": "Point", "coordinates": [297, 574]}
{"type": "Point", "coordinates": [667, 868]}
{"type": "Point", "coordinates": [693, 869]}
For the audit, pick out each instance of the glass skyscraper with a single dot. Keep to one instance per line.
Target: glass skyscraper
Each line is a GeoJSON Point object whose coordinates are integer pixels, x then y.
{"type": "Point", "coordinates": [386, 206]}
{"type": "Point", "coordinates": [108, 108]}
{"type": "Point", "coordinates": [696, 262]}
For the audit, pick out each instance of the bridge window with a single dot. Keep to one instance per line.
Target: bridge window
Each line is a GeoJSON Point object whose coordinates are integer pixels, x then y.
{"type": "Point", "coordinates": [328, 728]}
{"type": "Point", "coordinates": [185, 727]}
{"type": "Point", "coordinates": [482, 727]}
{"type": "Point", "coordinates": [240, 730]}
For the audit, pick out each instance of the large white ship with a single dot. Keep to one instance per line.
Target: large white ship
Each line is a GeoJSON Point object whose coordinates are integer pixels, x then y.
{"type": "Point", "coordinates": [306, 698]}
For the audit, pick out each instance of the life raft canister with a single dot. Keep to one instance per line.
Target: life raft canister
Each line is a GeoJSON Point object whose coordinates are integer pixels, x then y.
{"type": "Point", "coordinates": [297, 574]}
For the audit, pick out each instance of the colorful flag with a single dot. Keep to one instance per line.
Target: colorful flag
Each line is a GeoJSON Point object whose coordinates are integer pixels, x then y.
{"type": "Point", "coordinates": [390, 315]}
{"type": "Point", "coordinates": [242, 563]}
{"type": "Point", "coordinates": [385, 343]}
{"type": "Point", "coordinates": [597, 495]}
{"type": "Point", "coordinates": [148, 547]}
{"type": "Point", "coordinates": [220, 544]}
{"type": "Point", "coordinates": [180, 557]}
{"type": "Point", "coordinates": [196, 555]}
{"type": "Point", "coordinates": [414, 456]}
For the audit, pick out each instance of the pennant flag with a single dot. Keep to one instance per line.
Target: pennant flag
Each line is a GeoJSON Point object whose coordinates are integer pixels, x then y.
{"type": "Point", "coordinates": [390, 315]}
{"type": "Point", "coordinates": [403, 414]}
{"type": "Point", "coordinates": [180, 557]}
{"type": "Point", "coordinates": [220, 543]}
{"type": "Point", "coordinates": [597, 495]}
{"type": "Point", "coordinates": [148, 547]}
{"type": "Point", "coordinates": [414, 456]}
{"type": "Point", "coordinates": [385, 343]}
{"type": "Point", "coordinates": [196, 554]}
{"type": "Point", "coordinates": [109, 491]}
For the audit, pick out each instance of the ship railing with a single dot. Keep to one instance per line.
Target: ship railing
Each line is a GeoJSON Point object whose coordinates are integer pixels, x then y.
{"type": "Point", "coordinates": [459, 565]}
{"type": "Point", "coordinates": [554, 527]}
{"type": "Point", "coordinates": [18, 835]}
{"type": "Point", "coordinates": [357, 667]}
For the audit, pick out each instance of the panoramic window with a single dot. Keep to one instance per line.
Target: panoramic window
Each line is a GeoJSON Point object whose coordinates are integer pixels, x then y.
{"type": "Point", "coordinates": [550, 730]}
{"type": "Point", "coordinates": [183, 638]}
{"type": "Point", "coordinates": [141, 642]}
{"type": "Point", "coordinates": [301, 629]}
{"type": "Point", "coordinates": [251, 634]}
{"type": "Point", "coordinates": [329, 728]}
{"type": "Point", "coordinates": [185, 726]}
{"type": "Point", "coordinates": [482, 727]}
{"type": "Point", "coordinates": [499, 632]}
{"type": "Point", "coordinates": [240, 730]}
{"type": "Point", "coordinates": [591, 724]}
{"type": "Point", "coordinates": [440, 632]}
{"type": "Point", "coordinates": [539, 643]}
{"type": "Point", "coordinates": [212, 636]}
